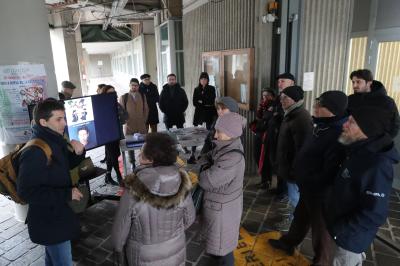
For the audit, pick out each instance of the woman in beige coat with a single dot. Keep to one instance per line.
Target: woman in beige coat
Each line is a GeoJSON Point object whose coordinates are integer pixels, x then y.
{"type": "Point", "coordinates": [222, 179]}
{"type": "Point", "coordinates": [155, 210]}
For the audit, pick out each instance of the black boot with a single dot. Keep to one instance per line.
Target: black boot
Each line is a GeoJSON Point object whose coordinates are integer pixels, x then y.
{"type": "Point", "coordinates": [278, 244]}
{"type": "Point", "coordinates": [120, 181]}
{"type": "Point", "coordinates": [108, 180]}
{"type": "Point", "coordinates": [191, 160]}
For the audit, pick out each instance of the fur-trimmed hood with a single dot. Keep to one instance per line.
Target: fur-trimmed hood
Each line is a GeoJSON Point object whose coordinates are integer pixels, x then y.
{"type": "Point", "coordinates": [161, 186]}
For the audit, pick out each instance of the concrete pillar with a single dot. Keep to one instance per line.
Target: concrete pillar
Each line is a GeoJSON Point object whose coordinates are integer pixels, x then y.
{"type": "Point", "coordinates": [25, 37]}
{"type": "Point", "coordinates": [82, 63]}
{"type": "Point", "coordinates": [72, 54]}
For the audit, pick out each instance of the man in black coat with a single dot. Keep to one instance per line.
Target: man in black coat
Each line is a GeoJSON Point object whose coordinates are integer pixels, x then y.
{"type": "Point", "coordinates": [295, 128]}
{"type": "Point", "coordinates": [47, 187]}
{"type": "Point", "coordinates": [273, 125]}
{"type": "Point", "coordinates": [370, 92]}
{"type": "Point", "coordinates": [357, 203]}
{"type": "Point", "coordinates": [173, 103]}
{"type": "Point", "coordinates": [316, 166]}
{"type": "Point", "coordinates": [153, 97]}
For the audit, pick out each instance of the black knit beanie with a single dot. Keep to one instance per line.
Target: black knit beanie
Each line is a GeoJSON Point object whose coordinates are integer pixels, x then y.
{"type": "Point", "coordinates": [373, 121]}
{"type": "Point", "coordinates": [334, 101]}
{"type": "Point", "coordinates": [286, 76]}
{"type": "Point", "coordinates": [294, 92]}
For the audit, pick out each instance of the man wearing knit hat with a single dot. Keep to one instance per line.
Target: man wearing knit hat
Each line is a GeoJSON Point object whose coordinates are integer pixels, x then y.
{"type": "Point", "coordinates": [295, 127]}
{"type": "Point", "coordinates": [357, 203]}
{"type": "Point", "coordinates": [222, 181]}
{"type": "Point", "coordinates": [273, 125]}
{"type": "Point", "coordinates": [370, 92]}
{"type": "Point", "coordinates": [316, 166]}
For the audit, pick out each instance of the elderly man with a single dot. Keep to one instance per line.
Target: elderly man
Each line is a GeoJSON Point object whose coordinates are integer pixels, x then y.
{"type": "Point", "coordinates": [357, 204]}
{"type": "Point", "coordinates": [67, 90]}
{"type": "Point", "coordinates": [295, 128]}
{"type": "Point", "coordinates": [316, 166]}
{"type": "Point", "coordinates": [284, 80]}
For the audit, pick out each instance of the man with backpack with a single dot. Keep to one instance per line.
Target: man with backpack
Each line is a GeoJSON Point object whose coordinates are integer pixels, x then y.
{"type": "Point", "coordinates": [135, 104]}
{"type": "Point", "coordinates": [44, 182]}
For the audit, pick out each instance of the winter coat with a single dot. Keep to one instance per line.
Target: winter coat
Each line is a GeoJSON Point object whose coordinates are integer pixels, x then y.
{"type": "Point", "coordinates": [153, 97]}
{"type": "Point", "coordinates": [152, 216]}
{"type": "Point", "coordinates": [47, 188]}
{"type": "Point", "coordinates": [173, 103]}
{"type": "Point", "coordinates": [377, 98]}
{"type": "Point", "coordinates": [223, 197]}
{"type": "Point", "coordinates": [137, 111]}
{"type": "Point", "coordinates": [204, 103]}
{"type": "Point", "coordinates": [273, 120]}
{"type": "Point", "coordinates": [295, 128]}
{"type": "Point", "coordinates": [357, 203]}
{"type": "Point", "coordinates": [318, 160]}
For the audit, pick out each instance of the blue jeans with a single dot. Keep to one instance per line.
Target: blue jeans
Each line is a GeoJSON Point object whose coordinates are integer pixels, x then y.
{"type": "Point", "coordinates": [59, 254]}
{"type": "Point", "coordinates": [293, 194]}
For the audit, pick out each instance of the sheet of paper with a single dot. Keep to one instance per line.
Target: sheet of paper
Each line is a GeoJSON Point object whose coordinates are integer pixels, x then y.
{"type": "Point", "coordinates": [308, 81]}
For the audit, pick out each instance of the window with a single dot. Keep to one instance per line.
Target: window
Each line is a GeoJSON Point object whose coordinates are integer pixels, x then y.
{"type": "Point", "coordinates": [357, 52]}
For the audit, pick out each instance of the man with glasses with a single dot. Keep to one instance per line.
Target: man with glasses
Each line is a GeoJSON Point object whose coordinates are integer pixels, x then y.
{"type": "Point", "coordinates": [135, 104]}
{"type": "Point", "coordinates": [149, 89]}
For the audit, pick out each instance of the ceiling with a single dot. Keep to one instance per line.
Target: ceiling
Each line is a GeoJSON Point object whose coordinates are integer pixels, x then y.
{"type": "Point", "coordinates": [103, 47]}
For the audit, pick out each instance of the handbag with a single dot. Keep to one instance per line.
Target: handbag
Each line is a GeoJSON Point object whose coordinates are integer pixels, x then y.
{"type": "Point", "coordinates": [197, 196]}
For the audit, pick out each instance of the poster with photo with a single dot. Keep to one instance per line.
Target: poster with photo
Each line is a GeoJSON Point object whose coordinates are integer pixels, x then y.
{"type": "Point", "coordinates": [20, 85]}
{"type": "Point", "coordinates": [78, 111]}
{"type": "Point", "coordinates": [84, 133]}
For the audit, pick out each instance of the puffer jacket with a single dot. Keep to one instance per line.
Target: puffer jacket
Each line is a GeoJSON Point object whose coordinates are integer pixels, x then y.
{"type": "Point", "coordinates": [156, 208]}
{"type": "Point", "coordinates": [223, 197]}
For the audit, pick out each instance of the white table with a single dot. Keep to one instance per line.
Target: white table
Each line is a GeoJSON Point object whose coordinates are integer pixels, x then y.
{"type": "Point", "coordinates": [186, 137]}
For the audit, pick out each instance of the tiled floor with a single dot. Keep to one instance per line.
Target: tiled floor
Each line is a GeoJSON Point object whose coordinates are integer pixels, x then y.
{"type": "Point", "coordinates": [94, 247]}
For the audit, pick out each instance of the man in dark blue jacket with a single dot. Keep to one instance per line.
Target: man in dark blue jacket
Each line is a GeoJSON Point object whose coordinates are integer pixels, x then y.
{"type": "Point", "coordinates": [369, 92]}
{"type": "Point", "coordinates": [47, 187]}
{"type": "Point", "coordinates": [316, 166]}
{"type": "Point", "coordinates": [357, 203]}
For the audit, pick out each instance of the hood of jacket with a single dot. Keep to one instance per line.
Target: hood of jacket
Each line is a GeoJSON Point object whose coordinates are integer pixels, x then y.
{"type": "Point", "coordinates": [225, 145]}
{"type": "Point", "coordinates": [176, 86]}
{"type": "Point", "coordinates": [161, 186]}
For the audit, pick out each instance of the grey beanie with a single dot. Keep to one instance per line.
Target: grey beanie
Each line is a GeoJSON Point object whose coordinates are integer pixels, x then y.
{"type": "Point", "coordinates": [230, 103]}
{"type": "Point", "coordinates": [231, 124]}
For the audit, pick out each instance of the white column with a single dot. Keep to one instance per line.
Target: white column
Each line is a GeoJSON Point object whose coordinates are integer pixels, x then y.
{"type": "Point", "coordinates": [25, 37]}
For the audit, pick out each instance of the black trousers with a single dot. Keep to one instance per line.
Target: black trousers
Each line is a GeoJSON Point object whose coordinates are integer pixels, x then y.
{"type": "Point", "coordinates": [227, 260]}
{"type": "Point", "coordinates": [171, 125]}
{"type": "Point", "coordinates": [308, 214]}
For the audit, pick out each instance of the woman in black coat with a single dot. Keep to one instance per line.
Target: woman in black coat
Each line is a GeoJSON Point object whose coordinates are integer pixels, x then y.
{"type": "Point", "coordinates": [112, 149]}
{"type": "Point", "coordinates": [204, 103]}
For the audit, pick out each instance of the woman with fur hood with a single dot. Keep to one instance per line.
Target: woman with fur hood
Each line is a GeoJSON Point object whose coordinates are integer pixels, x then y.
{"type": "Point", "coordinates": [155, 209]}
